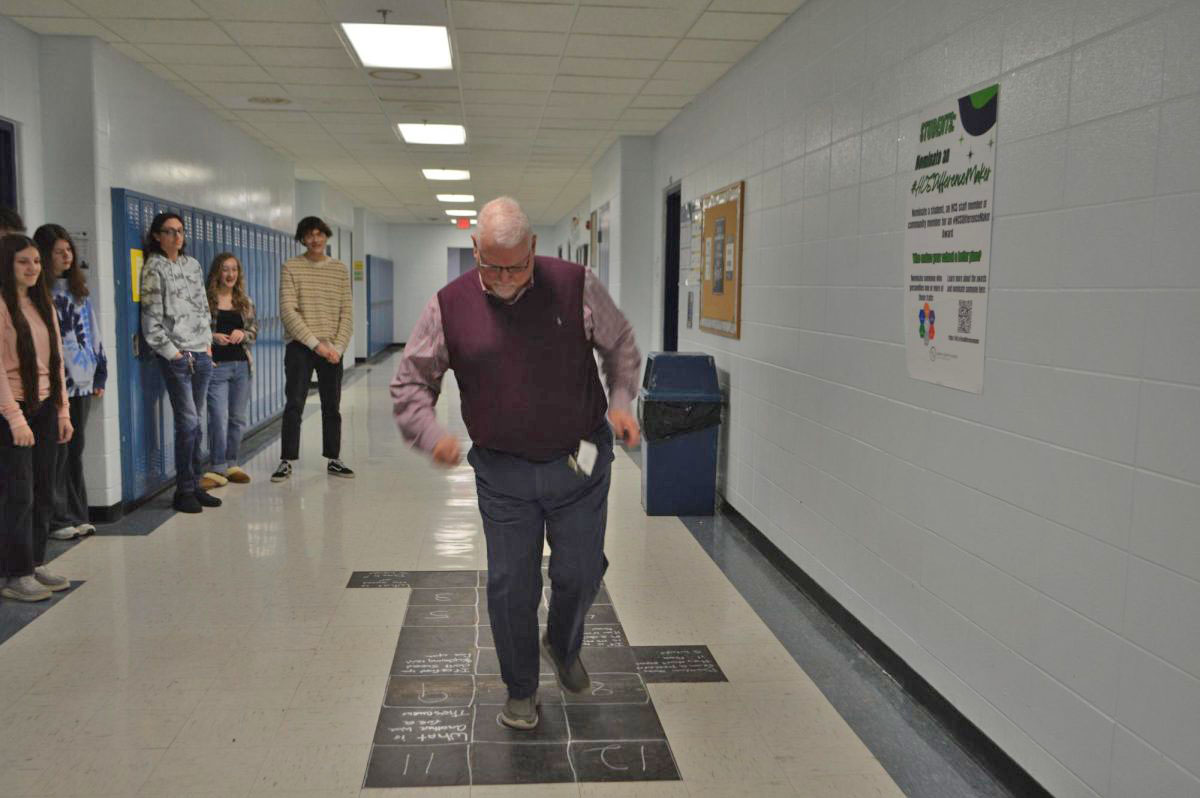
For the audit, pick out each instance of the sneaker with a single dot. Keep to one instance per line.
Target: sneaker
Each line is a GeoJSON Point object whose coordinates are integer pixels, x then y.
{"type": "Point", "coordinates": [520, 713]}
{"type": "Point", "coordinates": [207, 501]}
{"type": "Point", "coordinates": [217, 478]}
{"type": "Point", "coordinates": [574, 677]}
{"type": "Point", "coordinates": [337, 468]}
{"type": "Point", "coordinates": [186, 503]}
{"type": "Point", "coordinates": [282, 472]}
{"type": "Point", "coordinates": [65, 533]}
{"type": "Point", "coordinates": [25, 588]}
{"type": "Point", "coordinates": [237, 476]}
{"type": "Point", "coordinates": [86, 529]}
{"type": "Point", "coordinates": [51, 582]}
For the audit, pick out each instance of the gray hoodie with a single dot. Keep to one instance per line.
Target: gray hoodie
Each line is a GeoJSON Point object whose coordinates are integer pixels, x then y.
{"type": "Point", "coordinates": [175, 314]}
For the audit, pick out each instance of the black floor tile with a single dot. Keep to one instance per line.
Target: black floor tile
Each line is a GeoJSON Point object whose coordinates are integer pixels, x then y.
{"type": "Point", "coordinates": [430, 691]}
{"type": "Point", "coordinates": [15, 615]}
{"type": "Point", "coordinates": [491, 691]}
{"type": "Point", "coordinates": [612, 688]}
{"type": "Point", "coordinates": [604, 635]}
{"type": "Point", "coordinates": [424, 726]}
{"type": "Point", "coordinates": [601, 613]}
{"type": "Point", "coordinates": [677, 664]}
{"type": "Point", "coordinates": [418, 766]}
{"type": "Point", "coordinates": [647, 760]}
{"type": "Point", "coordinates": [521, 763]}
{"type": "Point", "coordinates": [551, 728]}
{"type": "Point", "coordinates": [615, 659]}
{"type": "Point", "coordinates": [443, 596]}
{"type": "Point", "coordinates": [426, 615]}
{"type": "Point", "coordinates": [401, 579]}
{"type": "Point", "coordinates": [614, 722]}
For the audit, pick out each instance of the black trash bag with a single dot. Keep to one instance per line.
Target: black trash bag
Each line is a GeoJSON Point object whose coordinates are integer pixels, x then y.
{"type": "Point", "coordinates": [663, 420]}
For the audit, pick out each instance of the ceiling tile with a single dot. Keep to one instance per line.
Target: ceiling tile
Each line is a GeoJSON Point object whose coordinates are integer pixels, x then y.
{"type": "Point", "coordinates": [588, 46]}
{"type": "Point", "coordinates": [265, 10]}
{"type": "Point", "coordinates": [304, 57]}
{"type": "Point", "coordinates": [225, 55]}
{"type": "Point", "coordinates": [409, 12]}
{"type": "Point", "coordinates": [712, 50]}
{"type": "Point", "coordinates": [633, 21]}
{"type": "Point", "coordinates": [691, 71]}
{"type": "Point", "coordinates": [219, 73]}
{"type": "Point", "coordinates": [584, 112]}
{"type": "Point", "coordinates": [661, 101]}
{"type": "Point", "coordinates": [280, 34]}
{"type": "Point", "coordinates": [132, 52]}
{"type": "Point", "coordinates": [688, 87]}
{"type": "Point", "coordinates": [511, 64]}
{"type": "Point", "coordinates": [275, 118]}
{"type": "Point", "coordinates": [718, 25]}
{"type": "Point", "coordinates": [135, 9]}
{"type": "Point", "coordinates": [511, 16]}
{"type": "Point", "coordinates": [242, 90]}
{"type": "Point", "coordinates": [149, 31]}
{"type": "Point", "coordinates": [609, 67]}
{"type": "Point", "coordinates": [761, 6]}
{"type": "Point", "coordinates": [316, 75]}
{"type": "Point", "coordinates": [525, 98]}
{"type": "Point", "coordinates": [503, 42]}
{"type": "Point", "coordinates": [599, 85]}
{"type": "Point", "coordinates": [62, 26]}
{"type": "Point", "coordinates": [487, 80]}
{"type": "Point", "coordinates": [650, 114]}
{"type": "Point", "coordinates": [39, 8]}
{"type": "Point", "coordinates": [416, 93]}
{"type": "Point", "coordinates": [307, 90]}
{"type": "Point", "coordinates": [565, 99]}
{"type": "Point", "coordinates": [160, 70]}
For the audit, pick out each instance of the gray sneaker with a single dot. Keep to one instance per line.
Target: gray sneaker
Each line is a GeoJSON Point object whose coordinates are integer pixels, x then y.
{"type": "Point", "coordinates": [24, 588]}
{"type": "Point", "coordinates": [52, 582]}
{"type": "Point", "coordinates": [64, 533]}
{"type": "Point", "coordinates": [520, 713]}
{"type": "Point", "coordinates": [574, 677]}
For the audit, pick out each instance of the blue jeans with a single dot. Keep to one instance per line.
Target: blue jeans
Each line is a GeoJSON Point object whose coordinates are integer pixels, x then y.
{"type": "Point", "coordinates": [187, 386]}
{"type": "Point", "coordinates": [521, 502]}
{"type": "Point", "coordinates": [228, 401]}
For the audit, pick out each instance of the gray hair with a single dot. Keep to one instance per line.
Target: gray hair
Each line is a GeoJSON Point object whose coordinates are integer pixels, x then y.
{"type": "Point", "coordinates": [503, 223]}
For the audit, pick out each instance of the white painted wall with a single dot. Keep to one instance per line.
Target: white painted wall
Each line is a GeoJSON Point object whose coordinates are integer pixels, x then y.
{"type": "Point", "coordinates": [419, 252]}
{"type": "Point", "coordinates": [20, 102]}
{"type": "Point", "coordinates": [1032, 552]}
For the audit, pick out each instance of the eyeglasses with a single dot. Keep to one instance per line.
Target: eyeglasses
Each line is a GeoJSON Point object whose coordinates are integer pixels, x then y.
{"type": "Point", "coordinates": [171, 231]}
{"type": "Point", "coordinates": [500, 271]}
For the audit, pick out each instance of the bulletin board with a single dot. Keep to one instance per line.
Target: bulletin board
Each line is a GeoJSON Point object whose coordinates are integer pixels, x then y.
{"type": "Point", "coordinates": [721, 261]}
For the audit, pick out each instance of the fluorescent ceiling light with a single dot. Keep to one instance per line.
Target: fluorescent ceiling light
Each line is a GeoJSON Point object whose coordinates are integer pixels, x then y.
{"type": "Point", "coordinates": [460, 212]}
{"type": "Point", "coordinates": [456, 197]}
{"type": "Point", "coordinates": [433, 134]}
{"type": "Point", "coordinates": [446, 174]}
{"type": "Point", "coordinates": [399, 46]}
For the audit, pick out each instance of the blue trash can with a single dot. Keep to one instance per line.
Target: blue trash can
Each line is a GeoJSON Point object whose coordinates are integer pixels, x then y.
{"type": "Point", "coordinates": [679, 408]}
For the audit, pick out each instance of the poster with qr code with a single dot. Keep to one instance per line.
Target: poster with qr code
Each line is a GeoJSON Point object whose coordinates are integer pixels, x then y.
{"type": "Point", "coordinates": [948, 240]}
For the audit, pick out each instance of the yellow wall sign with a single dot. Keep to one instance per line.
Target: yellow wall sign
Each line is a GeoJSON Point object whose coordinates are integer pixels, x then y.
{"type": "Point", "coordinates": [358, 271]}
{"type": "Point", "coordinates": [136, 259]}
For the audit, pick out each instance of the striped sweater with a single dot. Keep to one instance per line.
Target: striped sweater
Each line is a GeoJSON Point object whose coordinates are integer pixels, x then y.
{"type": "Point", "coordinates": [315, 303]}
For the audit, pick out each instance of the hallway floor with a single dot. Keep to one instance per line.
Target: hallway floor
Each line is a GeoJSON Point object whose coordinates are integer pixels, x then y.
{"type": "Point", "coordinates": [225, 654]}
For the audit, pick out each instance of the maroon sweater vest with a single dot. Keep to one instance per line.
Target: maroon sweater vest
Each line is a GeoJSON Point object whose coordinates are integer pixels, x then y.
{"type": "Point", "coordinates": [525, 371]}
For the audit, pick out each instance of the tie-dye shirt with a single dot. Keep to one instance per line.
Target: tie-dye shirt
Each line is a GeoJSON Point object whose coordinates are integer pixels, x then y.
{"type": "Point", "coordinates": [82, 352]}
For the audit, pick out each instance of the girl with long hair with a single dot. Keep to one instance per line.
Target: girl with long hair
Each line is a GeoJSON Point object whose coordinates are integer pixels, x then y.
{"type": "Point", "coordinates": [176, 324]}
{"type": "Point", "coordinates": [86, 370]}
{"type": "Point", "coordinates": [234, 329]}
{"type": "Point", "coordinates": [34, 419]}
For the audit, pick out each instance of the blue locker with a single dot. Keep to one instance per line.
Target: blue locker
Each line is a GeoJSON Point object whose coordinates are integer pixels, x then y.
{"type": "Point", "coordinates": [147, 430]}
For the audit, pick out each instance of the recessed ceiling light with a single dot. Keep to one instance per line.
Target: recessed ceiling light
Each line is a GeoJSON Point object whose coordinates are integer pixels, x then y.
{"type": "Point", "coordinates": [399, 46]}
{"type": "Point", "coordinates": [446, 174]}
{"type": "Point", "coordinates": [456, 197]}
{"type": "Point", "coordinates": [460, 212]}
{"type": "Point", "coordinates": [433, 134]}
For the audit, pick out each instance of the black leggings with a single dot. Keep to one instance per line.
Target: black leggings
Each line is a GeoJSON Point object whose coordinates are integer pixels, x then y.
{"type": "Point", "coordinates": [27, 493]}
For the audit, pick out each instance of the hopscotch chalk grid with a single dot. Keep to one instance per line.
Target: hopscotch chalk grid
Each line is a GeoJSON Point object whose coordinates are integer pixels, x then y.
{"type": "Point", "coordinates": [439, 724]}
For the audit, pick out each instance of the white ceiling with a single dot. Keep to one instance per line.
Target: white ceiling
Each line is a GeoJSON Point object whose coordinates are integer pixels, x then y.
{"type": "Point", "coordinates": [543, 88]}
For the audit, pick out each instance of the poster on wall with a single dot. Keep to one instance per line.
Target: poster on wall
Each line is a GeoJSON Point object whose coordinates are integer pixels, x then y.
{"type": "Point", "coordinates": [948, 239]}
{"type": "Point", "coordinates": [721, 281]}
